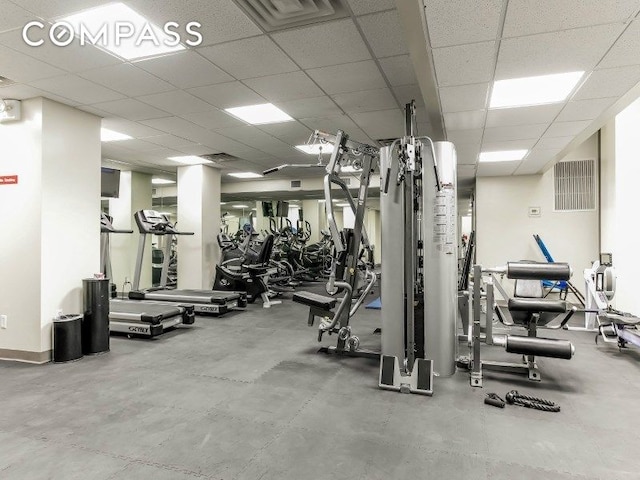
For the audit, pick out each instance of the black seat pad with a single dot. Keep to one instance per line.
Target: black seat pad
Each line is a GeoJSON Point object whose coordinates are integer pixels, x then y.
{"type": "Point", "coordinates": [314, 300]}
{"type": "Point", "coordinates": [535, 305]}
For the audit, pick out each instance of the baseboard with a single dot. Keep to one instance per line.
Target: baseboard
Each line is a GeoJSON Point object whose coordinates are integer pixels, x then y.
{"type": "Point", "coordinates": [25, 356]}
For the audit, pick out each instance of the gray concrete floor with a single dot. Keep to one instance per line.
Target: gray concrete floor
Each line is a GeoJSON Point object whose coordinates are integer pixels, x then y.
{"type": "Point", "coordinates": [246, 396]}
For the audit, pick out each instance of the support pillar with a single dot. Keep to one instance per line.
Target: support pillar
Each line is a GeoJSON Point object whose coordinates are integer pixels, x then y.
{"type": "Point", "coordinates": [51, 234]}
{"type": "Point", "coordinates": [198, 212]}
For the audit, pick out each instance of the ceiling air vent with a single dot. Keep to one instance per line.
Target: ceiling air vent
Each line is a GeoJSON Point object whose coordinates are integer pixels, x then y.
{"type": "Point", "coordinates": [219, 158]}
{"type": "Point", "coordinates": [273, 15]}
{"type": "Point", "coordinates": [296, 183]}
{"type": "Point", "coordinates": [4, 81]}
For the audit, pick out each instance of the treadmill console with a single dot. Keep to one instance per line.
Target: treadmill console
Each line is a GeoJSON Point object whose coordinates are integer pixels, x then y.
{"type": "Point", "coordinates": [155, 223]}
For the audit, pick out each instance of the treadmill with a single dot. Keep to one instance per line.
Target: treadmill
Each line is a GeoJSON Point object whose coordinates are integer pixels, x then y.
{"type": "Point", "coordinates": [147, 319]}
{"type": "Point", "coordinates": [205, 302]}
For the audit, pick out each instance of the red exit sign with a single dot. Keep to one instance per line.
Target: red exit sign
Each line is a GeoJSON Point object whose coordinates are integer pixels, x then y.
{"type": "Point", "coordinates": [8, 179]}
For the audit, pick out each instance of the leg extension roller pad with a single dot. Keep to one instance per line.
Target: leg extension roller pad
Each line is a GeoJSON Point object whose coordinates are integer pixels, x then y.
{"type": "Point", "coordinates": [540, 347]}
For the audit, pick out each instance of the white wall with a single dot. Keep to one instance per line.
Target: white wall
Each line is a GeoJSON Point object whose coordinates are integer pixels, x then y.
{"type": "Point", "coordinates": [51, 234]}
{"type": "Point", "coordinates": [505, 230]}
{"type": "Point", "coordinates": [620, 219]}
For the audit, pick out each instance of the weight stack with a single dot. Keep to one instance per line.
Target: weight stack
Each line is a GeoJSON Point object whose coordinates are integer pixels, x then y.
{"type": "Point", "coordinates": [95, 324]}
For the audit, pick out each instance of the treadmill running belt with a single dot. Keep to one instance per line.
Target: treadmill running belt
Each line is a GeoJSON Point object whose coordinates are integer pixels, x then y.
{"type": "Point", "coordinates": [188, 296]}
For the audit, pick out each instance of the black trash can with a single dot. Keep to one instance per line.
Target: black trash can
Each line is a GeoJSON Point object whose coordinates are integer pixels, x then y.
{"type": "Point", "coordinates": [67, 338]}
{"type": "Point", "coordinates": [95, 324]}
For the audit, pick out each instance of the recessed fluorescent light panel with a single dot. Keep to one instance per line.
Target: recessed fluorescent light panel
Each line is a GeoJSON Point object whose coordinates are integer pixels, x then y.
{"type": "Point", "coordinates": [145, 40]}
{"type": "Point", "coordinates": [107, 135]}
{"type": "Point", "coordinates": [259, 114]}
{"type": "Point", "coordinates": [502, 156]}
{"type": "Point", "coordinates": [190, 160]}
{"type": "Point", "coordinates": [315, 149]}
{"type": "Point", "coordinates": [241, 206]}
{"type": "Point", "coordinates": [528, 91]}
{"type": "Point", "coordinates": [245, 175]}
{"type": "Point", "coordinates": [162, 181]}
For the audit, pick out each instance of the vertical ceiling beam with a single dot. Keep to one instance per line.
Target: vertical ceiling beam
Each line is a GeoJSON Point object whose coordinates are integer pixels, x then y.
{"type": "Point", "coordinates": [415, 32]}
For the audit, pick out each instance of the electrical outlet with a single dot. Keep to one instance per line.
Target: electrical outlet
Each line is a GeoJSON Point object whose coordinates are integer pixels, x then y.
{"type": "Point", "coordinates": [3, 321]}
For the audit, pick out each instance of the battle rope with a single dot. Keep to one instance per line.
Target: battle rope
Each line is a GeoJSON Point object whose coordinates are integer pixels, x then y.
{"type": "Point", "coordinates": [515, 398]}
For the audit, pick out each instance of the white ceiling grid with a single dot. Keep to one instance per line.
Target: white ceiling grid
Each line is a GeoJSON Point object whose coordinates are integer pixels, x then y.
{"type": "Point", "coordinates": [353, 73]}
{"type": "Point", "coordinates": [475, 43]}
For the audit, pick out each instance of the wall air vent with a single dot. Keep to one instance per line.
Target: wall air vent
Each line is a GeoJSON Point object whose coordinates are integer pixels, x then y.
{"type": "Point", "coordinates": [574, 185]}
{"type": "Point", "coordinates": [296, 183]}
{"type": "Point", "coordinates": [273, 15]}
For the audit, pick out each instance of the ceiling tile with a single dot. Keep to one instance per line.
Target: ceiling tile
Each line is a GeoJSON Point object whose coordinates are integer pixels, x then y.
{"type": "Point", "coordinates": [221, 21]}
{"type": "Point", "coordinates": [519, 132]}
{"type": "Point", "coordinates": [536, 160]}
{"type": "Point", "coordinates": [399, 70]}
{"type": "Point", "coordinates": [563, 129]}
{"type": "Point", "coordinates": [492, 169]}
{"type": "Point", "coordinates": [72, 58]}
{"type": "Point", "coordinates": [19, 91]}
{"type": "Point", "coordinates": [177, 102]}
{"type": "Point", "coordinates": [463, 98]}
{"type": "Point", "coordinates": [406, 93]}
{"type": "Point", "coordinates": [464, 64]}
{"type": "Point", "coordinates": [213, 119]}
{"type": "Point", "coordinates": [185, 69]}
{"type": "Point", "coordinates": [56, 8]}
{"type": "Point", "coordinates": [456, 22]}
{"type": "Point", "coordinates": [12, 16]}
{"type": "Point", "coordinates": [384, 33]}
{"type": "Point", "coordinates": [553, 142]}
{"type": "Point", "coordinates": [260, 57]}
{"type": "Point", "coordinates": [584, 109]}
{"type": "Point", "coordinates": [360, 7]}
{"type": "Point", "coordinates": [310, 107]}
{"type": "Point", "coordinates": [557, 52]}
{"type": "Point", "coordinates": [194, 149]}
{"type": "Point", "coordinates": [352, 77]}
{"type": "Point", "coordinates": [285, 86]}
{"type": "Point", "coordinates": [127, 79]}
{"type": "Point", "coordinates": [293, 133]}
{"type": "Point", "coordinates": [626, 50]}
{"type": "Point", "coordinates": [331, 124]}
{"type": "Point", "coordinates": [381, 124]}
{"type": "Point", "coordinates": [366, 101]}
{"type": "Point", "coordinates": [138, 145]}
{"type": "Point", "coordinates": [128, 127]}
{"type": "Point", "coordinates": [77, 89]}
{"type": "Point", "coordinates": [502, 117]}
{"type": "Point", "coordinates": [609, 82]}
{"type": "Point", "coordinates": [131, 109]}
{"type": "Point", "coordinates": [467, 154]}
{"type": "Point", "coordinates": [329, 43]}
{"type": "Point", "coordinates": [508, 145]}
{"type": "Point", "coordinates": [168, 140]}
{"type": "Point", "coordinates": [226, 95]}
{"type": "Point", "coordinates": [256, 138]}
{"type": "Point", "coordinates": [22, 68]}
{"type": "Point", "coordinates": [525, 17]}
{"type": "Point", "coordinates": [90, 109]}
{"type": "Point", "coordinates": [464, 120]}
{"type": "Point", "coordinates": [465, 137]}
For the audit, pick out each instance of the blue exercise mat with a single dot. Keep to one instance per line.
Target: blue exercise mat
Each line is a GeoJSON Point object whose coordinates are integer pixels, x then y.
{"type": "Point", "coordinates": [375, 305]}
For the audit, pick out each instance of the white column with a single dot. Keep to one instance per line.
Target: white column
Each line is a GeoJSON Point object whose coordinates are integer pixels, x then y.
{"type": "Point", "coordinates": [135, 194]}
{"type": "Point", "coordinates": [198, 212]}
{"type": "Point", "coordinates": [312, 210]}
{"type": "Point", "coordinates": [51, 235]}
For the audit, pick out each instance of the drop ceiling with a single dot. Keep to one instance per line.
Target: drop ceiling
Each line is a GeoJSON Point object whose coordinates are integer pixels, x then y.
{"type": "Point", "coordinates": [352, 73]}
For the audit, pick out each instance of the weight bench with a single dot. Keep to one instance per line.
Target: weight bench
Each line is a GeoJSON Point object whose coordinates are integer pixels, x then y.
{"type": "Point", "coordinates": [319, 305]}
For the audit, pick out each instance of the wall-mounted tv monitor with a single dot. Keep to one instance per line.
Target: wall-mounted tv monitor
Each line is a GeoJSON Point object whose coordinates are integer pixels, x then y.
{"type": "Point", "coordinates": [110, 183]}
{"type": "Point", "coordinates": [282, 209]}
{"type": "Point", "coordinates": [267, 209]}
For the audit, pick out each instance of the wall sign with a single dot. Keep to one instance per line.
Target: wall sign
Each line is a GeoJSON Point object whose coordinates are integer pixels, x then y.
{"type": "Point", "coordinates": [8, 179]}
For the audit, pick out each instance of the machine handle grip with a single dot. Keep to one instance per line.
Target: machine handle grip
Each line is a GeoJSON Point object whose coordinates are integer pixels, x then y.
{"type": "Point", "coordinates": [270, 170]}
